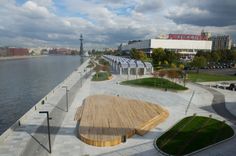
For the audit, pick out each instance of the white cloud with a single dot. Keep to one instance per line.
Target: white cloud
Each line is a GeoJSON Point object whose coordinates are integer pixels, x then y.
{"type": "Point", "coordinates": [103, 23]}
{"type": "Point", "coordinates": [44, 3]}
{"type": "Point", "coordinates": [33, 10]}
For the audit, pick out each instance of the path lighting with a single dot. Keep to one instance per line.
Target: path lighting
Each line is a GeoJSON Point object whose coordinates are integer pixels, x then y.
{"type": "Point", "coordinates": [189, 102]}
{"type": "Point", "coordinates": [67, 98]}
{"type": "Point", "coordinates": [48, 118]}
{"type": "Point", "coordinates": [81, 78]}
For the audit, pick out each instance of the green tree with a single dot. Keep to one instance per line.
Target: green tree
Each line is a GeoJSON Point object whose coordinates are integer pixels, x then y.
{"type": "Point", "coordinates": [172, 65]}
{"type": "Point", "coordinates": [133, 53]}
{"type": "Point", "coordinates": [199, 62]}
{"type": "Point", "coordinates": [234, 56]}
{"type": "Point", "coordinates": [166, 63]}
{"type": "Point", "coordinates": [171, 56]}
{"type": "Point", "coordinates": [158, 55]}
{"type": "Point", "coordinates": [181, 66]}
{"type": "Point", "coordinates": [142, 56]}
{"type": "Point", "coordinates": [215, 56]}
{"type": "Point", "coordinates": [138, 55]}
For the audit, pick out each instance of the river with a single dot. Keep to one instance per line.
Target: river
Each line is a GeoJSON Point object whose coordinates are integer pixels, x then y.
{"type": "Point", "coordinates": [24, 82]}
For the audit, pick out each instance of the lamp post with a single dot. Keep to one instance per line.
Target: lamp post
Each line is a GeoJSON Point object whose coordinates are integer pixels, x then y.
{"type": "Point", "coordinates": [49, 139]}
{"type": "Point", "coordinates": [67, 98]}
{"type": "Point", "coordinates": [189, 102]}
{"type": "Point", "coordinates": [81, 78]}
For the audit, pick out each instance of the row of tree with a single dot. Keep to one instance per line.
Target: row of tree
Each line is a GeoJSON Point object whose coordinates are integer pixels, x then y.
{"type": "Point", "coordinates": [219, 56]}
{"type": "Point", "coordinates": [202, 58]}
{"type": "Point", "coordinates": [159, 56]}
{"type": "Point", "coordinates": [164, 57]}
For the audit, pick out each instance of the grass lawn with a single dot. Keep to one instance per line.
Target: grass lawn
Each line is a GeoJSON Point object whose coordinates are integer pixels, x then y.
{"type": "Point", "coordinates": [101, 76]}
{"type": "Point", "coordinates": [155, 83]}
{"type": "Point", "coordinates": [204, 77]}
{"type": "Point", "coordinates": [193, 133]}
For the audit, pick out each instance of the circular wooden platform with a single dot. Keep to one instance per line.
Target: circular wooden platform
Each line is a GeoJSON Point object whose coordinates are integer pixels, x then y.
{"type": "Point", "coordinates": [103, 120]}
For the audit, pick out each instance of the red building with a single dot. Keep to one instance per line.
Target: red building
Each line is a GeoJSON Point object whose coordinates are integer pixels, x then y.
{"type": "Point", "coordinates": [187, 37]}
{"type": "Point", "coordinates": [17, 52]}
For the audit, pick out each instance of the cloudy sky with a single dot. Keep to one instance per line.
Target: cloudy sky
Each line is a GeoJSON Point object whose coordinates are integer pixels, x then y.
{"type": "Point", "coordinates": [107, 23]}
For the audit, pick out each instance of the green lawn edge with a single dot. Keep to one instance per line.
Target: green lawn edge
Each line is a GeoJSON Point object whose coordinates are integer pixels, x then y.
{"type": "Point", "coordinates": [154, 83]}
{"type": "Point", "coordinates": [205, 77]}
{"type": "Point", "coordinates": [191, 134]}
{"type": "Point", "coordinates": [102, 76]}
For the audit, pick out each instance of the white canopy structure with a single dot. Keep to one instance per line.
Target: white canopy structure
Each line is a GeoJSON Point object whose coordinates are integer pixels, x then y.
{"type": "Point", "coordinates": [125, 65]}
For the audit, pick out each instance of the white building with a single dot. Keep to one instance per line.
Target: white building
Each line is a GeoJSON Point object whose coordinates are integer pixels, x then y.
{"type": "Point", "coordinates": [189, 47]}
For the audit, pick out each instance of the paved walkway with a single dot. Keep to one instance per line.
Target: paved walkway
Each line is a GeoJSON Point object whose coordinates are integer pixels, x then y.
{"type": "Point", "coordinates": [218, 104]}
{"type": "Point", "coordinates": [66, 142]}
{"type": "Point", "coordinates": [64, 132]}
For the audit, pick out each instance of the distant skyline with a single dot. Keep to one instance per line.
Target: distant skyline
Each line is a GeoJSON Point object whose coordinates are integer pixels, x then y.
{"type": "Point", "coordinates": [107, 23]}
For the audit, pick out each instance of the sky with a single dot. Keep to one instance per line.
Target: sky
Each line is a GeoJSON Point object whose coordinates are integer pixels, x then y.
{"type": "Point", "coordinates": [108, 23]}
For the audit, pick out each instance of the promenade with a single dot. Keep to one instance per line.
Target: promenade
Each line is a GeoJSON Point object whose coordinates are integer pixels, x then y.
{"type": "Point", "coordinates": [30, 138]}
{"type": "Point", "coordinates": [66, 143]}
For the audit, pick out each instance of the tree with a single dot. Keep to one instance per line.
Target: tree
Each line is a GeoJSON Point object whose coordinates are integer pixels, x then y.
{"type": "Point", "coordinates": [234, 56]}
{"type": "Point", "coordinates": [158, 55]}
{"type": "Point", "coordinates": [138, 55]}
{"type": "Point", "coordinates": [162, 73]}
{"type": "Point", "coordinates": [199, 62]}
{"type": "Point", "coordinates": [97, 69]}
{"type": "Point", "coordinates": [172, 74]}
{"type": "Point", "coordinates": [141, 56]}
{"type": "Point", "coordinates": [166, 63]}
{"type": "Point", "coordinates": [215, 56]}
{"type": "Point", "coordinates": [133, 53]}
{"type": "Point", "coordinates": [207, 55]}
{"type": "Point", "coordinates": [181, 66]}
{"type": "Point", "coordinates": [171, 56]}
{"type": "Point", "coordinates": [173, 65]}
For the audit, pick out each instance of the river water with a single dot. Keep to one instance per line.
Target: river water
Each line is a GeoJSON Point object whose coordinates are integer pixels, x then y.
{"type": "Point", "coordinates": [24, 82]}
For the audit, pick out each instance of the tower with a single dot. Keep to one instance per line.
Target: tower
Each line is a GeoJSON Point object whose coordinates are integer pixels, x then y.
{"type": "Point", "coordinates": [81, 45]}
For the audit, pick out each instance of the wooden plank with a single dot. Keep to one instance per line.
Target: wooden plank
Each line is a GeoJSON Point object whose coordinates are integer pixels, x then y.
{"type": "Point", "coordinates": [105, 119]}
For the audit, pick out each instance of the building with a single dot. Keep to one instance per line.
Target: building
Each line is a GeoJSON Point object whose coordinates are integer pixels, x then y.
{"type": "Point", "coordinates": [223, 42]}
{"type": "Point", "coordinates": [60, 51]}
{"type": "Point", "coordinates": [35, 51]}
{"type": "Point", "coordinates": [189, 47]}
{"type": "Point", "coordinates": [3, 51]}
{"type": "Point", "coordinates": [17, 52]}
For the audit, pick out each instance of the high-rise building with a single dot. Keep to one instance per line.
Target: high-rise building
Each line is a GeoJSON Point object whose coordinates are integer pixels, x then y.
{"type": "Point", "coordinates": [223, 42]}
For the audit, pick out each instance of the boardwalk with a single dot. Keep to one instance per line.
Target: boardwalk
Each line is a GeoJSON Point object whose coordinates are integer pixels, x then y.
{"type": "Point", "coordinates": [105, 119]}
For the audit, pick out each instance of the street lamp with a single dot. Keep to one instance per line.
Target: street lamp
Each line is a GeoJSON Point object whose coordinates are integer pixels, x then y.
{"type": "Point", "coordinates": [67, 98]}
{"type": "Point", "coordinates": [49, 139]}
{"type": "Point", "coordinates": [81, 78]}
{"type": "Point", "coordinates": [189, 102]}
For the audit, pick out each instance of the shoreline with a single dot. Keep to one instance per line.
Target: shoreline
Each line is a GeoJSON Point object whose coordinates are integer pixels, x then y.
{"type": "Point", "coordinates": [20, 57]}
{"type": "Point", "coordinates": [39, 105]}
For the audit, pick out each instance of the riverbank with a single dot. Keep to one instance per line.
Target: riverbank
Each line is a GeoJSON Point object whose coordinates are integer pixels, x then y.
{"type": "Point", "coordinates": [30, 129]}
{"type": "Point", "coordinates": [20, 57]}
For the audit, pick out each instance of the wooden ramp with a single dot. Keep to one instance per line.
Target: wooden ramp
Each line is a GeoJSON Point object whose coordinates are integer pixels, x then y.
{"type": "Point", "coordinates": [103, 120]}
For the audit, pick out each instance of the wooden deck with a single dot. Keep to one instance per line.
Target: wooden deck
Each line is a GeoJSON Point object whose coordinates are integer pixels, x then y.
{"type": "Point", "coordinates": [103, 120]}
